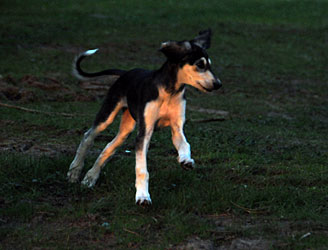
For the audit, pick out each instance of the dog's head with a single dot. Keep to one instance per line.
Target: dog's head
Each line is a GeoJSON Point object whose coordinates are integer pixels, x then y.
{"type": "Point", "coordinates": [193, 61]}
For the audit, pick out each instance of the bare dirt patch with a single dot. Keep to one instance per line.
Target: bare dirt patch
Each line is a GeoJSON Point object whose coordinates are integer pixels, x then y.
{"type": "Point", "coordinates": [88, 230]}
{"type": "Point", "coordinates": [32, 147]}
{"type": "Point", "coordinates": [33, 89]}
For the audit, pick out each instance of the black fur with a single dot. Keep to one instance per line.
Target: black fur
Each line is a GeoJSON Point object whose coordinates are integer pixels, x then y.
{"type": "Point", "coordinates": [82, 73]}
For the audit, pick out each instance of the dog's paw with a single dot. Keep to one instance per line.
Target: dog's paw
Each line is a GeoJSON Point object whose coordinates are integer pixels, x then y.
{"type": "Point", "coordinates": [143, 201]}
{"type": "Point", "coordinates": [90, 179]}
{"type": "Point", "coordinates": [188, 164]}
{"type": "Point", "coordinates": [143, 198]}
{"type": "Point", "coordinates": [74, 172]}
{"type": "Point", "coordinates": [73, 175]}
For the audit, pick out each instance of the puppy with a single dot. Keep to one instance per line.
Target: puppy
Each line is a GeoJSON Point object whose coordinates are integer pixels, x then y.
{"type": "Point", "coordinates": [148, 99]}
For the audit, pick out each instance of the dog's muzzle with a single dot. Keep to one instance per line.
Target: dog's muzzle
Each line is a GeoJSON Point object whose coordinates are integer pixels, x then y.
{"type": "Point", "coordinates": [217, 84]}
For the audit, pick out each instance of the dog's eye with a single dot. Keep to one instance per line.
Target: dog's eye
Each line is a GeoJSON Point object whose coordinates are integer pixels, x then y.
{"type": "Point", "coordinates": [200, 64]}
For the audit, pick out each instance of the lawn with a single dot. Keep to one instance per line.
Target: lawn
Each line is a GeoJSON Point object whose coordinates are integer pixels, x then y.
{"type": "Point", "coordinates": [261, 176]}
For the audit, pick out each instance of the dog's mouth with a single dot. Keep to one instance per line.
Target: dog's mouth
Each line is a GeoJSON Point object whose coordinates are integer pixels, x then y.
{"type": "Point", "coordinates": [203, 88]}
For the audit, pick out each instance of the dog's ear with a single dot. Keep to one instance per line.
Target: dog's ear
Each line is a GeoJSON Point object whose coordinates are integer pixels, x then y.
{"type": "Point", "coordinates": [175, 50]}
{"type": "Point", "coordinates": [203, 39]}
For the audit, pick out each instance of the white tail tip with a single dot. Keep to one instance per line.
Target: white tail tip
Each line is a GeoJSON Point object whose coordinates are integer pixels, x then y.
{"type": "Point", "coordinates": [90, 52]}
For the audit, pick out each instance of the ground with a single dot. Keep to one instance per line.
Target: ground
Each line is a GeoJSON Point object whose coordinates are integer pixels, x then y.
{"type": "Point", "coordinates": [259, 143]}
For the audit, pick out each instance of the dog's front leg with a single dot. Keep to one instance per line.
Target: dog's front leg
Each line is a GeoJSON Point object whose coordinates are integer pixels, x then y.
{"type": "Point", "coordinates": [142, 175]}
{"type": "Point", "coordinates": [146, 128]}
{"type": "Point", "coordinates": [179, 139]}
{"type": "Point", "coordinates": [183, 148]}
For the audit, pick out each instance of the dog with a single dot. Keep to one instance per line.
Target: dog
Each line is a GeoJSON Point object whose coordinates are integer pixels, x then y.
{"type": "Point", "coordinates": [148, 99]}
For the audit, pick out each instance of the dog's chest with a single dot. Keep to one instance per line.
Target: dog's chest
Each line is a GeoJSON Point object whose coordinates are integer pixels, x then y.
{"type": "Point", "coordinates": [169, 109]}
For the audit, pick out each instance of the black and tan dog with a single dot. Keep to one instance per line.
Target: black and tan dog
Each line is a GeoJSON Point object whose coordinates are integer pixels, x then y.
{"type": "Point", "coordinates": [148, 99]}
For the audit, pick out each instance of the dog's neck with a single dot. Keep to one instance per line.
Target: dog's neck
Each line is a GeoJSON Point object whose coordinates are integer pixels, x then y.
{"type": "Point", "coordinates": [167, 75]}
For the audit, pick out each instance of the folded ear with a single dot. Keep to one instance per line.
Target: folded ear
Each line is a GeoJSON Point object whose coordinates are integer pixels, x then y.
{"type": "Point", "coordinates": [203, 40]}
{"type": "Point", "coordinates": [175, 50]}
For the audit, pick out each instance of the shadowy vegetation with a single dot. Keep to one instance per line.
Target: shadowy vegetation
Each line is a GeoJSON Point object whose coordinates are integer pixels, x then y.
{"type": "Point", "coordinates": [261, 176]}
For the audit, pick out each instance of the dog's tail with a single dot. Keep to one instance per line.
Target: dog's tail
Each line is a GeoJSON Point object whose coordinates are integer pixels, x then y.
{"type": "Point", "coordinates": [82, 75]}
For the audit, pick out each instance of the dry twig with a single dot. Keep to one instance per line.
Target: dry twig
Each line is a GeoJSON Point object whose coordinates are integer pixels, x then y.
{"type": "Point", "coordinates": [37, 111]}
{"type": "Point", "coordinates": [131, 232]}
{"type": "Point", "coordinates": [249, 210]}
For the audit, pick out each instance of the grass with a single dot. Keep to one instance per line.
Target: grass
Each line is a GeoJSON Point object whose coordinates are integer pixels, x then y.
{"type": "Point", "coordinates": [261, 174]}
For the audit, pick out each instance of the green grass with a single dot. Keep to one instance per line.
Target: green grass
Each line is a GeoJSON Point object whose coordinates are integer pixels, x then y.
{"type": "Point", "coordinates": [261, 174]}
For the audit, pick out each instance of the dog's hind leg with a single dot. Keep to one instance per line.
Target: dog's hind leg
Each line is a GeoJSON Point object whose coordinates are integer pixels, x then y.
{"type": "Point", "coordinates": [179, 139]}
{"type": "Point", "coordinates": [88, 139]}
{"type": "Point", "coordinates": [126, 127]}
{"type": "Point", "coordinates": [77, 164]}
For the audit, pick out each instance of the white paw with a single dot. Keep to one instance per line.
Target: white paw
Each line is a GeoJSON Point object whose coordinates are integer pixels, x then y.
{"type": "Point", "coordinates": [187, 164]}
{"type": "Point", "coordinates": [143, 199]}
{"type": "Point", "coordinates": [73, 173]}
{"type": "Point", "coordinates": [90, 179]}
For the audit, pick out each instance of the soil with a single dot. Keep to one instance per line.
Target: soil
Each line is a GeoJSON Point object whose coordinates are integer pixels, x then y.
{"type": "Point", "coordinates": [33, 89]}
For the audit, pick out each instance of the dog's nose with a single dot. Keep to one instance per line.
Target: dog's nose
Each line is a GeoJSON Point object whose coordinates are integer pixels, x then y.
{"type": "Point", "coordinates": [217, 84]}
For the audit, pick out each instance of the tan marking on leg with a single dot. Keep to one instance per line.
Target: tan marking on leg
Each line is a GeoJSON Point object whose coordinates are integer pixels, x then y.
{"type": "Point", "coordinates": [126, 127]}
{"type": "Point", "coordinates": [141, 177]}
{"type": "Point", "coordinates": [102, 126]}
